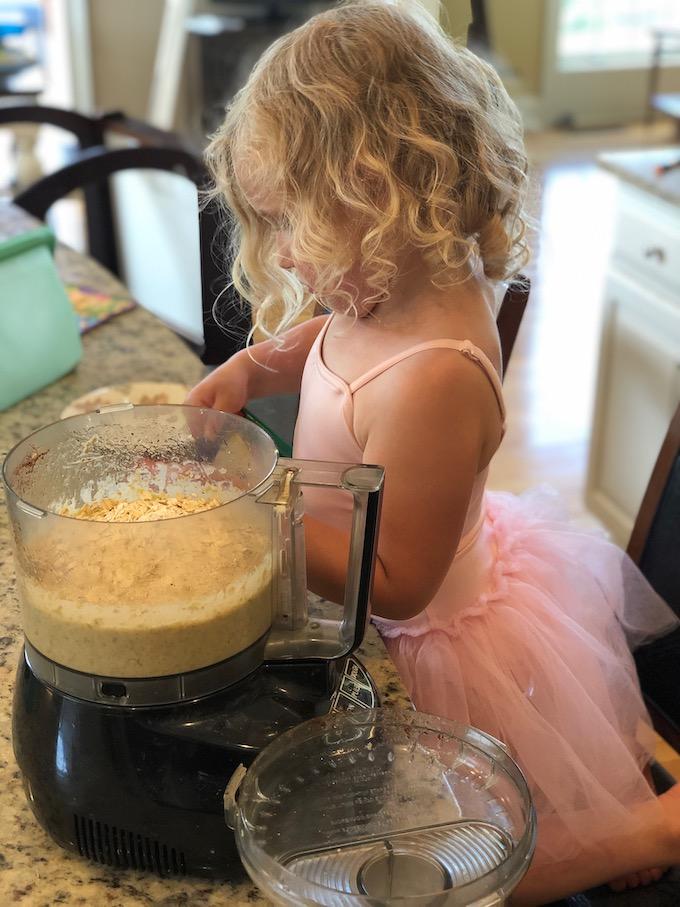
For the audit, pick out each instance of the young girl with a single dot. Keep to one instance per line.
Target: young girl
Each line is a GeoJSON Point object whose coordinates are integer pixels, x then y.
{"type": "Point", "coordinates": [377, 169]}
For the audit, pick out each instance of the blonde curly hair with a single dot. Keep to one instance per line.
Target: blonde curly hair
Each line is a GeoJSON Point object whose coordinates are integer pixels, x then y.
{"type": "Point", "coordinates": [369, 114]}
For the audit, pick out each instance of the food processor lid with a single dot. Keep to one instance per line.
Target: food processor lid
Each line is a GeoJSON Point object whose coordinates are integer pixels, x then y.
{"type": "Point", "coordinates": [384, 807]}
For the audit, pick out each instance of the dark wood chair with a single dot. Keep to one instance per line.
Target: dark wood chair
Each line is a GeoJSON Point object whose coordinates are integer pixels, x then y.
{"type": "Point", "coordinates": [666, 45]}
{"type": "Point", "coordinates": [654, 547]}
{"type": "Point", "coordinates": [90, 169]}
{"type": "Point", "coordinates": [510, 314]}
{"type": "Point", "coordinates": [91, 132]}
{"type": "Point", "coordinates": [87, 130]}
{"type": "Point", "coordinates": [94, 166]}
{"type": "Point", "coordinates": [88, 133]}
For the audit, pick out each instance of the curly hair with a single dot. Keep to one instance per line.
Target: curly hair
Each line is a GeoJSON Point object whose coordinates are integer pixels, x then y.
{"type": "Point", "coordinates": [369, 114]}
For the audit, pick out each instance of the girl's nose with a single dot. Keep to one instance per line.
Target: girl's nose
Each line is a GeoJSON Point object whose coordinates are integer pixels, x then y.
{"type": "Point", "coordinates": [283, 251]}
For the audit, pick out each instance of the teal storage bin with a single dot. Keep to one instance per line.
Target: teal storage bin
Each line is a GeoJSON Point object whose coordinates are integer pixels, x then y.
{"type": "Point", "coordinates": [277, 416]}
{"type": "Point", "coordinates": [284, 448]}
{"type": "Point", "coordinates": [39, 333]}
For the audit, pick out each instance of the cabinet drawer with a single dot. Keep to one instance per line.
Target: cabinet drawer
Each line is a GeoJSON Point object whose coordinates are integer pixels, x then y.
{"type": "Point", "coordinates": [647, 243]}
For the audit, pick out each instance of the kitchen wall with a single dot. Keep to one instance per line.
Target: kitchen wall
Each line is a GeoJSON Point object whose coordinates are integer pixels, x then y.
{"type": "Point", "coordinates": [523, 32]}
{"type": "Point", "coordinates": [516, 32]}
{"type": "Point", "coordinates": [124, 36]}
{"type": "Point", "coordinates": [517, 35]}
{"type": "Point", "coordinates": [455, 16]}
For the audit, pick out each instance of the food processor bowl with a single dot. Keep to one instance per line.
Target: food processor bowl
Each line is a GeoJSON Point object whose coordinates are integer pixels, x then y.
{"type": "Point", "coordinates": [384, 807]}
{"type": "Point", "coordinates": [153, 598]}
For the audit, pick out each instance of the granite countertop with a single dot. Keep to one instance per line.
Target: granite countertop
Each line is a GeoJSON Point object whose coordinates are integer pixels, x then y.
{"type": "Point", "coordinates": [34, 871]}
{"type": "Point", "coordinates": [639, 169]}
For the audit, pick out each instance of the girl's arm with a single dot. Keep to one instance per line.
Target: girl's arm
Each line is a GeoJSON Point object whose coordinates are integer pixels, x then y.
{"type": "Point", "coordinates": [260, 370]}
{"type": "Point", "coordinates": [433, 429]}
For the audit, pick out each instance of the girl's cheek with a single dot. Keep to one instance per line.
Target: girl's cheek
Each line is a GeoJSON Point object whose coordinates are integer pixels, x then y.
{"type": "Point", "coordinates": [306, 275]}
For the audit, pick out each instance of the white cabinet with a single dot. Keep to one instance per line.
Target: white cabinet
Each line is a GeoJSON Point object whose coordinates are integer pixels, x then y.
{"type": "Point", "coordinates": [638, 383]}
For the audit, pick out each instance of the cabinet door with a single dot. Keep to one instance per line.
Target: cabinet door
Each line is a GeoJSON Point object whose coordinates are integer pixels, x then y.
{"type": "Point", "coordinates": [637, 392]}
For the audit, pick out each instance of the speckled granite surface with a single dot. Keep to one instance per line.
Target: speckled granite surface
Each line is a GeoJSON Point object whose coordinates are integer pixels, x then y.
{"type": "Point", "coordinates": [34, 872]}
{"type": "Point", "coordinates": [639, 169]}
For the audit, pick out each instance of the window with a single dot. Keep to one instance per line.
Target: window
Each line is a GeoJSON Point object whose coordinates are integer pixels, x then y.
{"type": "Point", "coordinates": [612, 34]}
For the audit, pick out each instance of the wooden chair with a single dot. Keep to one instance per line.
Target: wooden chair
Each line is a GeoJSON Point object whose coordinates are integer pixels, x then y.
{"type": "Point", "coordinates": [654, 547]}
{"type": "Point", "coordinates": [88, 133]}
{"type": "Point", "coordinates": [510, 314]}
{"type": "Point", "coordinates": [87, 130]}
{"type": "Point", "coordinates": [90, 170]}
{"type": "Point", "coordinates": [91, 132]}
{"type": "Point", "coordinates": [666, 44]}
{"type": "Point", "coordinates": [94, 166]}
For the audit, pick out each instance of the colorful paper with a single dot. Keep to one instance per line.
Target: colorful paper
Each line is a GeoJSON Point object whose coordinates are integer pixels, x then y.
{"type": "Point", "coordinates": [93, 307]}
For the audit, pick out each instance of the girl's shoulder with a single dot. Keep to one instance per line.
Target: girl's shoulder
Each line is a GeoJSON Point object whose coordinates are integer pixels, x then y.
{"type": "Point", "coordinates": [442, 386]}
{"type": "Point", "coordinates": [352, 349]}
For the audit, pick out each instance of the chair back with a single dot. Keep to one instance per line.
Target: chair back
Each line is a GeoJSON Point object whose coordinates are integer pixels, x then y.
{"type": "Point", "coordinates": [655, 540]}
{"type": "Point", "coordinates": [510, 314]}
{"type": "Point", "coordinates": [654, 546]}
{"type": "Point", "coordinates": [92, 168]}
{"type": "Point", "coordinates": [98, 163]}
{"type": "Point", "coordinates": [88, 132]}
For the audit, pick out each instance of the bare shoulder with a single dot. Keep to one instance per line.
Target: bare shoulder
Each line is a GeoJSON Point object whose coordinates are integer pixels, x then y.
{"type": "Point", "coordinates": [441, 387]}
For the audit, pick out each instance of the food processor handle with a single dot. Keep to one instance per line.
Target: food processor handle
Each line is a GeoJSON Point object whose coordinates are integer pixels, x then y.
{"type": "Point", "coordinates": [365, 483]}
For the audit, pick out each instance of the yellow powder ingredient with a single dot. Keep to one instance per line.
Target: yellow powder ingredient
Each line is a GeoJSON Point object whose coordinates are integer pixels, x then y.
{"type": "Point", "coordinates": [149, 506]}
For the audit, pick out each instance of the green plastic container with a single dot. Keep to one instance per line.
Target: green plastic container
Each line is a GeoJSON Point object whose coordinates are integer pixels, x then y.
{"type": "Point", "coordinates": [285, 448]}
{"type": "Point", "coordinates": [39, 333]}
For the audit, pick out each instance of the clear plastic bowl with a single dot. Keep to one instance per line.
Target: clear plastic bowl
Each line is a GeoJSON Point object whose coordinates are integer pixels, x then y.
{"type": "Point", "coordinates": [381, 807]}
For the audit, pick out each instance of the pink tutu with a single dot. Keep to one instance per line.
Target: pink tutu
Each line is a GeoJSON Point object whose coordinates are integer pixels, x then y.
{"type": "Point", "coordinates": [536, 652]}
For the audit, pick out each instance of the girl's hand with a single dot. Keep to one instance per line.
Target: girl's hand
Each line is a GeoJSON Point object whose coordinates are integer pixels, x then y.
{"type": "Point", "coordinates": [261, 370]}
{"type": "Point", "coordinates": [225, 389]}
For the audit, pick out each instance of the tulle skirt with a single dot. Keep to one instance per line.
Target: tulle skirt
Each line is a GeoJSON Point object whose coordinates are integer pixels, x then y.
{"type": "Point", "coordinates": [529, 639]}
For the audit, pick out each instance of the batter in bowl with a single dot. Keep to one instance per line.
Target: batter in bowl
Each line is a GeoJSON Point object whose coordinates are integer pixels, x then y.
{"type": "Point", "coordinates": [122, 590]}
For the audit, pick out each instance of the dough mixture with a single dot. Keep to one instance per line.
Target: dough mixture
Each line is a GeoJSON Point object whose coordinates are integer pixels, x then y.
{"type": "Point", "coordinates": [122, 597]}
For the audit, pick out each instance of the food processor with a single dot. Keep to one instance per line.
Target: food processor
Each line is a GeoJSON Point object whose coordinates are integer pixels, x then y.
{"type": "Point", "coordinates": [184, 706]}
{"type": "Point", "coordinates": [160, 655]}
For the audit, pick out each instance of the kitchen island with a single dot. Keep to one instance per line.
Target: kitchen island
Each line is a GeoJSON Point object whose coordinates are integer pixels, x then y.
{"type": "Point", "coordinates": [34, 871]}
{"type": "Point", "coordinates": [638, 383]}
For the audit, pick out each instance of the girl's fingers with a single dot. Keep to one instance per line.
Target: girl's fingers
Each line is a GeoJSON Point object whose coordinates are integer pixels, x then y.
{"type": "Point", "coordinates": [196, 420]}
{"type": "Point", "coordinates": [201, 395]}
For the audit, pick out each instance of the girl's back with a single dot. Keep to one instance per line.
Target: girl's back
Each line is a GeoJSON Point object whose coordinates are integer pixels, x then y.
{"type": "Point", "coordinates": [360, 369]}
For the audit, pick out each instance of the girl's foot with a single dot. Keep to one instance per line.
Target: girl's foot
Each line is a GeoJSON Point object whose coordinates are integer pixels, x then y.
{"type": "Point", "coordinates": [636, 879]}
{"type": "Point", "coordinates": [652, 837]}
{"type": "Point", "coordinates": [644, 876]}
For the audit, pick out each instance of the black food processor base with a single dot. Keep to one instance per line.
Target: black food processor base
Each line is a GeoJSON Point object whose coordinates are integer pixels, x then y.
{"type": "Point", "coordinates": [143, 788]}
